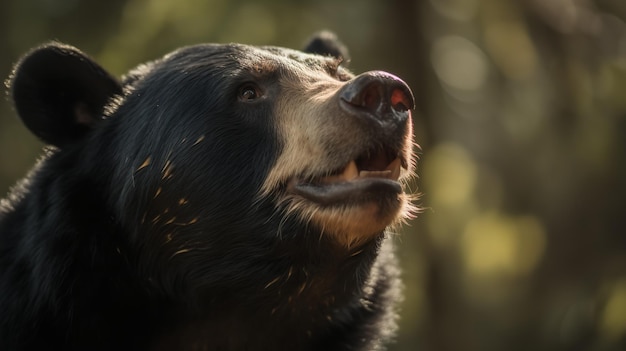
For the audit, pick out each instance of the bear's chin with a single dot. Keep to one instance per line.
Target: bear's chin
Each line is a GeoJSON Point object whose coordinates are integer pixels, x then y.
{"type": "Point", "coordinates": [355, 224]}
{"type": "Point", "coordinates": [356, 202]}
{"type": "Point", "coordinates": [351, 213]}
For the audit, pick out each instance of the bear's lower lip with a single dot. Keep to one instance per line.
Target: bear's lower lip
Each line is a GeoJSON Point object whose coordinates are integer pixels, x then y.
{"type": "Point", "coordinates": [348, 192]}
{"type": "Point", "coordinates": [351, 185]}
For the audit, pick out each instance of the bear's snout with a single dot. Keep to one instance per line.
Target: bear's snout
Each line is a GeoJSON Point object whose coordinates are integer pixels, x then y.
{"type": "Point", "coordinates": [378, 96]}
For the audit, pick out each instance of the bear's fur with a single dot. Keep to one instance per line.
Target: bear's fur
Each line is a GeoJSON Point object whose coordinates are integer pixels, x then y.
{"type": "Point", "coordinates": [223, 197]}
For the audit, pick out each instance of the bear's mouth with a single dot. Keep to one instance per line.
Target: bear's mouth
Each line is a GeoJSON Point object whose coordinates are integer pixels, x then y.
{"type": "Point", "coordinates": [371, 175]}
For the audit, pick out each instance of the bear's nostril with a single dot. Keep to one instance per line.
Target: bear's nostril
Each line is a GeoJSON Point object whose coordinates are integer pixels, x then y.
{"type": "Point", "coordinates": [363, 94]}
{"type": "Point", "coordinates": [378, 93]}
{"type": "Point", "coordinates": [400, 101]}
{"type": "Point", "coordinates": [370, 97]}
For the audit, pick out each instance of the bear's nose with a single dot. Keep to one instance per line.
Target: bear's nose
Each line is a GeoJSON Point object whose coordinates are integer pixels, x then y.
{"type": "Point", "coordinates": [380, 94]}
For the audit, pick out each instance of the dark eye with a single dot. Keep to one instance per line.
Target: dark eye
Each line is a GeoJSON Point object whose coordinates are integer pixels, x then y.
{"type": "Point", "coordinates": [249, 92]}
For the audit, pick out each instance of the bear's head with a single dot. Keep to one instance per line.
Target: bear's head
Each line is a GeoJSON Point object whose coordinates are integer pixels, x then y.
{"type": "Point", "coordinates": [228, 167]}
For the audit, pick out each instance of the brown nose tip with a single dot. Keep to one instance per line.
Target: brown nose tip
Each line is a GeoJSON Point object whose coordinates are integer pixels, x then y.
{"type": "Point", "coordinates": [379, 93]}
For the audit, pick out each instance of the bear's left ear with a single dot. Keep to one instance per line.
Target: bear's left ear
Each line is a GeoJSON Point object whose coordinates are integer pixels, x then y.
{"type": "Point", "coordinates": [60, 93]}
{"type": "Point", "coordinates": [327, 44]}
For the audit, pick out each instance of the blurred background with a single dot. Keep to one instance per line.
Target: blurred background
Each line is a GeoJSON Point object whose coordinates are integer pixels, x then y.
{"type": "Point", "coordinates": [521, 118]}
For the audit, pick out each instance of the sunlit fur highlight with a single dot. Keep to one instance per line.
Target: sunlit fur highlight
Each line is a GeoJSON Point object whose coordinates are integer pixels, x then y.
{"type": "Point", "coordinates": [315, 139]}
{"type": "Point", "coordinates": [301, 122]}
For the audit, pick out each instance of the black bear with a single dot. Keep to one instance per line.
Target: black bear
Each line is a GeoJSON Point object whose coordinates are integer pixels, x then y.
{"type": "Point", "coordinates": [223, 197]}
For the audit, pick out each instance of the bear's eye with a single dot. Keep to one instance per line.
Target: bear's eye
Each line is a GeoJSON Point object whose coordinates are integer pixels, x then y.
{"type": "Point", "coordinates": [249, 92]}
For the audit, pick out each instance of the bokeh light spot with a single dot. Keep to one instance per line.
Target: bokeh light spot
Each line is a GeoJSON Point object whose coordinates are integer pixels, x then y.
{"type": "Point", "coordinates": [511, 49]}
{"type": "Point", "coordinates": [450, 175]}
{"type": "Point", "coordinates": [459, 63]}
{"type": "Point", "coordinates": [493, 243]}
{"type": "Point", "coordinates": [613, 323]}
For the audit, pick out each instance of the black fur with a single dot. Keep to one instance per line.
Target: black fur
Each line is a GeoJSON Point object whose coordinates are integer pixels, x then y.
{"type": "Point", "coordinates": [140, 230]}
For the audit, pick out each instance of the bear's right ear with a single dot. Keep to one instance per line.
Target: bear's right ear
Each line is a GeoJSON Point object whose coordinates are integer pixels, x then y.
{"type": "Point", "coordinates": [60, 93]}
{"type": "Point", "coordinates": [327, 44]}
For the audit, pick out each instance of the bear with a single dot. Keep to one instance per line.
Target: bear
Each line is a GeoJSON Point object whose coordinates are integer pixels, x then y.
{"type": "Point", "coordinates": [221, 197]}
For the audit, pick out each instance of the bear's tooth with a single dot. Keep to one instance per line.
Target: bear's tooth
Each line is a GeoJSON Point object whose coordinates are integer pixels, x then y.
{"type": "Point", "coordinates": [395, 174]}
{"type": "Point", "coordinates": [350, 172]}
{"type": "Point", "coordinates": [394, 167]}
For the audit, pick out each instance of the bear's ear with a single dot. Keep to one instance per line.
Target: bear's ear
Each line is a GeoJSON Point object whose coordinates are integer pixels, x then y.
{"type": "Point", "coordinates": [59, 92]}
{"type": "Point", "coordinates": [327, 44]}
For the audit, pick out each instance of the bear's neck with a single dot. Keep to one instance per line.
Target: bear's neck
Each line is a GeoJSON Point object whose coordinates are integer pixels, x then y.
{"type": "Point", "coordinates": [305, 306]}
